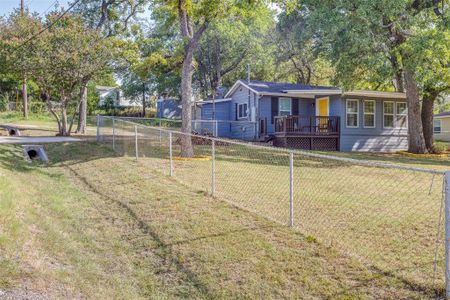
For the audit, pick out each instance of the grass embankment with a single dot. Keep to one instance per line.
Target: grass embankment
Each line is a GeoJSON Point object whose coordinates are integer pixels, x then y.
{"type": "Point", "coordinates": [37, 124]}
{"type": "Point", "coordinates": [97, 226]}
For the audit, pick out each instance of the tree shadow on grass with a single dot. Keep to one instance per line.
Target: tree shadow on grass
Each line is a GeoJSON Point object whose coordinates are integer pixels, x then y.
{"type": "Point", "coordinates": [163, 249]}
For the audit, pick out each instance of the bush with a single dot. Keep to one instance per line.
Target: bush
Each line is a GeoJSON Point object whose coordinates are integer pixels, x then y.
{"type": "Point", "coordinates": [441, 147]}
{"type": "Point", "coordinates": [37, 107]}
{"type": "Point", "coordinates": [4, 102]}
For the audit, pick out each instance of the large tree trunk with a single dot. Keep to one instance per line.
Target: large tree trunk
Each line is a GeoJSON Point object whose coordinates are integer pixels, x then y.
{"type": "Point", "coordinates": [427, 120]}
{"type": "Point", "coordinates": [25, 98]}
{"type": "Point", "coordinates": [64, 123]}
{"type": "Point", "coordinates": [398, 74]}
{"type": "Point", "coordinates": [192, 40]}
{"type": "Point", "coordinates": [186, 93]}
{"type": "Point", "coordinates": [81, 127]}
{"type": "Point", "coordinates": [415, 129]}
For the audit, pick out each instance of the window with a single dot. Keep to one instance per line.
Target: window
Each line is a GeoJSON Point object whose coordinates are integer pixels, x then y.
{"type": "Point", "coordinates": [369, 113]}
{"type": "Point", "coordinates": [401, 114]}
{"type": "Point", "coordinates": [352, 109]}
{"type": "Point", "coordinates": [284, 107]}
{"type": "Point", "coordinates": [395, 114]}
{"type": "Point", "coordinates": [437, 126]}
{"type": "Point", "coordinates": [242, 111]}
{"type": "Point", "coordinates": [388, 114]}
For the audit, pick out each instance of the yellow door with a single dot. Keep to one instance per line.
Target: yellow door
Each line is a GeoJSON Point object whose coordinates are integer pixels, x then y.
{"type": "Point", "coordinates": [322, 110]}
{"type": "Point", "coordinates": [322, 107]}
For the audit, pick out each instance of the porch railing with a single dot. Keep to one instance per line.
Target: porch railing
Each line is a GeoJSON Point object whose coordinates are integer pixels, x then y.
{"type": "Point", "coordinates": [307, 125]}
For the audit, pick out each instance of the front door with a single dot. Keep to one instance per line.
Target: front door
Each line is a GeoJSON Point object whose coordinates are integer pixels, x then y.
{"type": "Point", "coordinates": [322, 112]}
{"type": "Point", "coordinates": [322, 107]}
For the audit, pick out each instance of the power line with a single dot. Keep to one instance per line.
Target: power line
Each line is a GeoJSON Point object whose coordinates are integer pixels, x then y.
{"type": "Point", "coordinates": [50, 25]}
{"type": "Point", "coordinates": [48, 8]}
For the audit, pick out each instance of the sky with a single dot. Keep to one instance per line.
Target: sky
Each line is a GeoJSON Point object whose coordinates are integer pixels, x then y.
{"type": "Point", "coordinates": [39, 6]}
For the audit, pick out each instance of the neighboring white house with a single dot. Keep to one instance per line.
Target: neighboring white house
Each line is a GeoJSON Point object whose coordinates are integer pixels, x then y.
{"type": "Point", "coordinates": [116, 93]}
{"type": "Point", "coordinates": [441, 126]}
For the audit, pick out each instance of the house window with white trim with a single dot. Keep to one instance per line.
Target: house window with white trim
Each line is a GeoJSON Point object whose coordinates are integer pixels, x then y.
{"type": "Point", "coordinates": [401, 115]}
{"type": "Point", "coordinates": [437, 126]}
{"type": "Point", "coordinates": [352, 111]}
{"type": "Point", "coordinates": [369, 113]}
{"type": "Point", "coordinates": [284, 106]}
{"type": "Point", "coordinates": [388, 114]}
{"type": "Point", "coordinates": [242, 111]}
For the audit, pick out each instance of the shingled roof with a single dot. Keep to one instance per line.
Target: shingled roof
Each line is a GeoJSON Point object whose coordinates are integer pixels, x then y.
{"type": "Point", "coordinates": [279, 87]}
{"type": "Point", "coordinates": [266, 87]}
{"type": "Point", "coordinates": [443, 114]}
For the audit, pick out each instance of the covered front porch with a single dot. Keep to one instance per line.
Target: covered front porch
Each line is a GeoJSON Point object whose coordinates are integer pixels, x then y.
{"type": "Point", "coordinates": [306, 125]}
{"type": "Point", "coordinates": [307, 132]}
{"type": "Point", "coordinates": [310, 122]}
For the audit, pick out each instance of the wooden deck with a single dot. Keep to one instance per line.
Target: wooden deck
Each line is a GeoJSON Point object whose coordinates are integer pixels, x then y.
{"type": "Point", "coordinates": [307, 132]}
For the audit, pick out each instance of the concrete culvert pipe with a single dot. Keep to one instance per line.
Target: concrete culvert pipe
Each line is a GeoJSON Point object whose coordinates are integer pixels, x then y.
{"type": "Point", "coordinates": [32, 154]}
{"type": "Point", "coordinates": [13, 131]}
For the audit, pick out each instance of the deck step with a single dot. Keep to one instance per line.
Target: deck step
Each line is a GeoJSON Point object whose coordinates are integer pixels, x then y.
{"type": "Point", "coordinates": [266, 138]}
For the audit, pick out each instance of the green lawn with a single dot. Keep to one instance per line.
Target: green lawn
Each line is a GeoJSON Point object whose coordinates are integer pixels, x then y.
{"type": "Point", "coordinates": [386, 218]}
{"type": "Point", "coordinates": [37, 124]}
{"type": "Point", "coordinates": [93, 224]}
{"type": "Point", "coordinates": [98, 226]}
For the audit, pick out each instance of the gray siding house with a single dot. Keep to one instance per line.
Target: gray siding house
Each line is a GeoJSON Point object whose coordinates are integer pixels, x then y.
{"type": "Point", "coordinates": [169, 108]}
{"type": "Point", "coordinates": [311, 117]}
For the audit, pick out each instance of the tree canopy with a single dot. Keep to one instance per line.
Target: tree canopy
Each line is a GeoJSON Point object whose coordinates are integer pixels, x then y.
{"type": "Point", "coordinates": [188, 49]}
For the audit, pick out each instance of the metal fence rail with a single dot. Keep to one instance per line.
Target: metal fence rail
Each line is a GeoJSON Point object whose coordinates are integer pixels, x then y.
{"type": "Point", "coordinates": [390, 217]}
{"type": "Point", "coordinates": [244, 130]}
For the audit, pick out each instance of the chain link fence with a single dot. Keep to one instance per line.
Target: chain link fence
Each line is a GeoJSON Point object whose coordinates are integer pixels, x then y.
{"type": "Point", "coordinates": [244, 130]}
{"type": "Point", "coordinates": [390, 217]}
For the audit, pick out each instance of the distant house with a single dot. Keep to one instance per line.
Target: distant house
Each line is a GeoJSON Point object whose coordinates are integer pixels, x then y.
{"type": "Point", "coordinates": [168, 108]}
{"type": "Point", "coordinates": [441, 126]}
{"type": "Point", "coordinates": [116, 95]}
{"type": "Point", "coordinates": [311, 117]}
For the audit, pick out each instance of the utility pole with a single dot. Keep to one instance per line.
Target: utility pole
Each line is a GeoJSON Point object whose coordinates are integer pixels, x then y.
{"type": "Point", "coordinates": [24, 81]}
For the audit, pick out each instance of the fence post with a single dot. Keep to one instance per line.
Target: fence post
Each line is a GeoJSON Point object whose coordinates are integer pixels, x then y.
{"type": "Point", "coordinates": [114, 134]}
{"type": "Point", "coordinates": [136, 141]}
{"type": "Point", "coordinates": [216, 127]}
{"type": "Point", "coordinates": [291, 189]}
{"type": "Point", "coordinates": [447, 233]}
{"type": "Point", "coordinates": [98, 129]}
{"type": "Point", "coordinates": [170, 154]}
{"type": "Point", "coordinates": [160, 137]}
{"type": "Point", "coordinates": [213, 166]}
